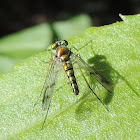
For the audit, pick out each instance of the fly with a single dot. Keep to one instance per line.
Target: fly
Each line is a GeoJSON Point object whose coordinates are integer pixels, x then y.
{"type": "Point", "coordinates": [64, 57]}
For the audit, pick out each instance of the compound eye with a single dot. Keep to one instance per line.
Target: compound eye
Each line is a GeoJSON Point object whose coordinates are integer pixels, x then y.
{"type": "Point", "coordinates": [54, 45]}
{"type": "Point", "coordinates": [64, 42]}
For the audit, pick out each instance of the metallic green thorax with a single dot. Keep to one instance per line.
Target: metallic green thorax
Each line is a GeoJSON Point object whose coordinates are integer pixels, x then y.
{"type": "Point", "coordinates": [63, 53]}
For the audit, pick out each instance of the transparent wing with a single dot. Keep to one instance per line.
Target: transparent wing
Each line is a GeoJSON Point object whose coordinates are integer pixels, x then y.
{"type": "Point", "coordinates": [93, 72]}
{"type": "Point", "coordinates": [49, 85]}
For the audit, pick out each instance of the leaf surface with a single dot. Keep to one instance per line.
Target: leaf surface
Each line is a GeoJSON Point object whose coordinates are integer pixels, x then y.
{"type": "Point", "coordinates": [114, 51]}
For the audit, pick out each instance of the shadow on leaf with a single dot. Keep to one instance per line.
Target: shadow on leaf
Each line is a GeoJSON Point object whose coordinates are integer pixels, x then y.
{"type": "Point", "coordinates": [86, 105]}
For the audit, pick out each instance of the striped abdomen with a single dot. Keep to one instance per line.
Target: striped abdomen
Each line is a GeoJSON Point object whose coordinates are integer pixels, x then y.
{"type": "Point", "coordinates": [70, 73]}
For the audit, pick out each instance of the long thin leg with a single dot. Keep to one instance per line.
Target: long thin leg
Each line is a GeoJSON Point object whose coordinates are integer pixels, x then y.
{"type": "Point", "coordinates": [46, 116]}
{"type": "Point", "coordinates": [52, 54]}
{"type": "Point", "coordinates": [81, 47]}
{"type": "Point", "coordinates": [43, 85]}
{"type": "Point", "coordinates": [85, 45]}
{"type": "Point", "coordinates": [91, 88]}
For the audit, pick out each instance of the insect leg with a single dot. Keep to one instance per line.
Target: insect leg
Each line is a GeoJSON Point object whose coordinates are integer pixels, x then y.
{"type": "Point", "coordinates": [46, 115]}
{"type": "Point", "coordinates": [81, 47]}
{"type": "Point", "coordinates": [43, 85]}
{"type": "Point", "coordinates": [91, 88]}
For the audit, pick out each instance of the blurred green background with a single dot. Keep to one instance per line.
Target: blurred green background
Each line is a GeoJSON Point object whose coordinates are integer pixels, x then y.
{"type": "Point", "coordinates": [30, 26]}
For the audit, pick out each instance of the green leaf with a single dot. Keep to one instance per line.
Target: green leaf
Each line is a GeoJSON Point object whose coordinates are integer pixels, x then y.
{"type": "Point", "coordinates": [31, 41]}
{"type": "Point", "coordinates": [113, 50]}
{"type": "Point", "coordinates": [27, 42]}
{"type": "Point", "coordinates": [20, 45]}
